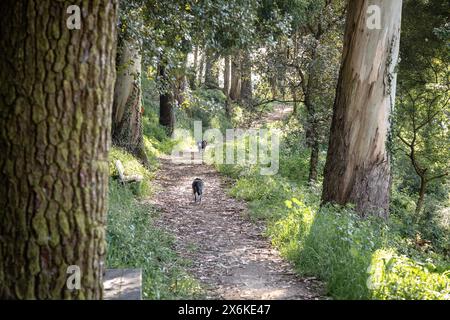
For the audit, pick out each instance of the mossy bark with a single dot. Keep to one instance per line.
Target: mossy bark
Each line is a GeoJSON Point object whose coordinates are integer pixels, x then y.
{"type": "Point", "coordinates": [56, 91]}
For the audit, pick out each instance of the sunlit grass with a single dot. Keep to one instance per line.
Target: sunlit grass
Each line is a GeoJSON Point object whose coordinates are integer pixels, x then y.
{"type": "Point", "coordinates": [133, 241]}
{"type": "Point", "coordinates": [335, 244]}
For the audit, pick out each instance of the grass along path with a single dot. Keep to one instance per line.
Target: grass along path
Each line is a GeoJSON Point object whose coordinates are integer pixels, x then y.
{"type": "Point", "coordinates": [229, 255]}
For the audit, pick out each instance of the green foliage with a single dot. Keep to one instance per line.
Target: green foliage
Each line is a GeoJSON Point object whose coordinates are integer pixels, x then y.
{"type": "Point", "coordinates": [135, 242]}
{"type": "Point", "coordinates": [432, 226]}
{"type": "Point", "coordinates": [397, 277]}
{"type": "Point", "coordinates": [207, 106]}
{"type": "Point", "coordinates": [132, 166]}
{"type": "Point", "coordinates": [335, 244]}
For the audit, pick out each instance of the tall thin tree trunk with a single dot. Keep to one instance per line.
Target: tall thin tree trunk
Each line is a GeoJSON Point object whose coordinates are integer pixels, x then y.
{"type": "Point", "coordinates": [211, 70]}
{"type": "Point", "coordinates": [127, 107]}
{"type": "Point", "coordinates": [357, 168]}
{"type": "Point", "coordinates": [226, 76]}
{"type": "Point", "coordinates": [294, 98]}
{"type": "Point", "coordinates": [166, 112]}
{"type": "Point", "coordinates": [193, 77]}
{"type": "Point", "coordinates": [235, 86]}
{"type": "Point", "coordinates": [180, 84]}
{"type": "Point", "coordinates": [312, 131]}
{"type": "Point", "coordinates": [56, 94]}
{"type": "Point", "coordinates": [246, 86]}
{"type": "Point", "coordinates": [313, 161]}
{"type": "Point", "coordinates": [201, 69]}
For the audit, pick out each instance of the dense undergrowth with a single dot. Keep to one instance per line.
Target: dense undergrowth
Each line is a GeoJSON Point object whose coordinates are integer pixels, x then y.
{"type": "Point", "coordinates": [356, 258]}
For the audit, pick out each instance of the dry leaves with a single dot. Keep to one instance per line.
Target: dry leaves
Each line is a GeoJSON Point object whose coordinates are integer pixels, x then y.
{"type": "Point", "coordinates": [229, 255]}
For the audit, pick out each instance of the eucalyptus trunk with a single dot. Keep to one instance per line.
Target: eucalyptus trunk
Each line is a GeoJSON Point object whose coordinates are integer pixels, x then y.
{"type": "Point", "coordinates": [358, 166]}
{"type": "Point", "coordinates": [127, 107]}
{"type": "Point", "coordinates": [56, 99]}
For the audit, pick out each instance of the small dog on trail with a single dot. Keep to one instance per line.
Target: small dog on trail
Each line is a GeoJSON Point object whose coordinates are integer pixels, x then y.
{"type": "Point", "coordinates": [202, 145]}
{"type": "Point", "coordinates": [197, 189]}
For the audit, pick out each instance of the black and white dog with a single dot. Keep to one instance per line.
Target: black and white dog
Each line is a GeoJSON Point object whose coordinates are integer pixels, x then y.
{"type": "Point", "coordinates": [201, 145]}
{"type": "Point", "coordinates": [197, 189]}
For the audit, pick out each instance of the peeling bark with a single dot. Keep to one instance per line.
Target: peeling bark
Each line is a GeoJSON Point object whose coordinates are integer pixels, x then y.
{"type": "Point", "coordinates": [357, 168]}
{"type": "Point", "coordinates": [127, 131]}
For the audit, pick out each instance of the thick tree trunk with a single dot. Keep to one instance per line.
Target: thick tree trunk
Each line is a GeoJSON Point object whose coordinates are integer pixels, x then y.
{"type": "Point", "coordinates": [226, 76]}
{"type": "Point", "coordinates": [56, 94]}
{"type": "Point", "coordinates": [246, 86]}
{"type": "Point", "coordinates": [211, 71]}
{"type": "Point", "coordinates": [357, 168]}
{"type": "Point", "coordinates": [166, 112]}
{"type": "Point", "coordinates": [127, 108]}
{"type": "Point", "coordinates": [235, 85]}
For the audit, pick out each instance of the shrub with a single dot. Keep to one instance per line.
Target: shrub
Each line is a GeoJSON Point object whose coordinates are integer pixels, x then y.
{"type": "Point", "coordinates": [393, 276]}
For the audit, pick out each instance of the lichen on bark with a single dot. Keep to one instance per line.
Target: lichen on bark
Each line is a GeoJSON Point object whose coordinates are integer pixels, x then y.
{"type": "Point", "coordinates": [55, 102]}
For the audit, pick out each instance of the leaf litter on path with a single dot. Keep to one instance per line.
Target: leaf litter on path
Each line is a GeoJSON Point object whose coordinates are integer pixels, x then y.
{"type": "Point", "coordinates": [228, 253]}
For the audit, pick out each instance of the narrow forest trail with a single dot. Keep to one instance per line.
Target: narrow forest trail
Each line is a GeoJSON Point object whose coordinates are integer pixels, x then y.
{"type": "Point", "coordinates": [229, 255]}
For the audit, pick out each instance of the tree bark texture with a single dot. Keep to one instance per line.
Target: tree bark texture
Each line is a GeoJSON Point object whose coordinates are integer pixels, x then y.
{"type": "Point", "coordinates": [357, 168]}
{"type": "Point", "coordinates": [127, 131]}
{"type": "Point", "coordinates": [56, 93]}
